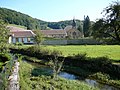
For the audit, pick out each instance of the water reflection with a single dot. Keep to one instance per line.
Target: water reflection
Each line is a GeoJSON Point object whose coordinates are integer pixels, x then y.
{"type": "Point", "coordinates": [101, 86]}
{"type": "Point", "coordinates": [75, 77]}
{"type": "Point", "coordinates": [88, 81]}
{"type": "Point", "coordinates": [68, 76]}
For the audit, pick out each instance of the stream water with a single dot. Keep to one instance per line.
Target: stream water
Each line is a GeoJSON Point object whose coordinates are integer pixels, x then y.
{"type": "Point", "coordinates": [88, 81]}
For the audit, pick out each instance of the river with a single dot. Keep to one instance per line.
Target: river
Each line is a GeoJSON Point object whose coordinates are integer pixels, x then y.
{"type": "Point", "coordinates": [71, 76]}
{"type": "Point", "coordinates": [87, 81]}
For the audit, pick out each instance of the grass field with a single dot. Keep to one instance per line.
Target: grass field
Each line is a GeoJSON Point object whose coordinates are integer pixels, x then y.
{"type": "Point", "coordinates": [111, 51]}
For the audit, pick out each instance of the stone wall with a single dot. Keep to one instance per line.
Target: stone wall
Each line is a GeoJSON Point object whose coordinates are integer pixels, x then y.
{"type": "Point", "coordinates": [55, 42]}
{"type": "Point", "coordinates": [72, 42]}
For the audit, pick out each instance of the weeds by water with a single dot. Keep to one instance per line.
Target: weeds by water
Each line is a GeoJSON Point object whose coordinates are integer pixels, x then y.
{"type": "Point", "coordinates": [43, 81]}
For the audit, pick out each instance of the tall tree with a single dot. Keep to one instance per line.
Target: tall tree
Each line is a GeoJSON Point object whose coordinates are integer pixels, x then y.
{"type": "Point", "coordinates": [4, 35]}
{"type": "Point", "coordinates": [38, 37]}
{"type": "Point", "coordinates": [86, 26]}
{"type": "Point", "coordinates": [80, 29]}
{"type": "Point", "coordinates": [108, 27]}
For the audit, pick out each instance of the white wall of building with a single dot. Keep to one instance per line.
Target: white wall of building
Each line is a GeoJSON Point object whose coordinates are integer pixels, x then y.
{"type": "Point", "coordinates": [23, 40]}
{"type": "Point", "coordinates": [10, 40]}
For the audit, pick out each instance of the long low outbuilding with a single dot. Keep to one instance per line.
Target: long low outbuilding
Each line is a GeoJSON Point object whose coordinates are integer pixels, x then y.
{"type": "Point", "coordinates": [21, 35]}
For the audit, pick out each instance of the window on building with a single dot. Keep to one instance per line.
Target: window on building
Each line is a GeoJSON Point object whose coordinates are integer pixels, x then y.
{"type": "Point", "coordinates": [74, 33]}
{"type": "Point", "coordinates": [31, 39]}
{"type": "Point", "coordinates": [28, 39]}
{"type": "Point", "coordinates": [16, 39]}
{"type": "Point", "coordinates": [22, 40]}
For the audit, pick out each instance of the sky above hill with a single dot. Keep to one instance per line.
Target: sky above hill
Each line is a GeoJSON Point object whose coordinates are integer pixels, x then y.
{"type": "Point", "coordinates": [58, 10]}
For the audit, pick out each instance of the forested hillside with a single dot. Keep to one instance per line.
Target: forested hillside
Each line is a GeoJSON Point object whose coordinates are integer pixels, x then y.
{"type": "Point", "coordinates": [14, 17]}
{"type": "Point", "coordinates": [63, 24]}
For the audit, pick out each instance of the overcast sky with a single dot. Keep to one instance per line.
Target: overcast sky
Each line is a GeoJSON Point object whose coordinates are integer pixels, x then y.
{"type": "Point", "coordinates": [58, 10]}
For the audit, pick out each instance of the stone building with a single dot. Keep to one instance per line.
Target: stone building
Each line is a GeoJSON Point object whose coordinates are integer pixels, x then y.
{"type": "Point", "coordinates": [27, 36]}
{"type": "Point", "coordinates": [69, 31]}
{"type": "Point", "coordinates": [55, 33]}
{"type": "Point", "coordinates": [72, 31]}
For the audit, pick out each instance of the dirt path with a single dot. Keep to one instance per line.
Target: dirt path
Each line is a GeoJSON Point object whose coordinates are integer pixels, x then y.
{"type": "Point", "coordinates": [14, 78]}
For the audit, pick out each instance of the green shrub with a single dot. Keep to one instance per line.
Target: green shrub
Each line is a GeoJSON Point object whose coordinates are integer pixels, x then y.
{"type": "Point", "coordinates": [1, 63]}
{"type": "Point", "coordinates": [56, 53]}
{"type": "Point", "coordinates": [34, 50]}
{"type": "Point", "coordinates": [103, 60]}
{"type": "Point", "coordinates": [5, 57]}
{"type": "Point", "coordinates": [100, 76]}
{"type": "Point", "coordinates": [35, 60]}
{"type": "Point", "coordinates": [80, 56]}
{"type": "Point", "coordinates": [19, 43]}
{"type": "Point", "coordinates": [40, 52]}
{"type": "Point", "coordinates": [7, 71]}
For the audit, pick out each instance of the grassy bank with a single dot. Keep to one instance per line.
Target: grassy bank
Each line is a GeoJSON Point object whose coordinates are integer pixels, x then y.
{"type": "Point", "coordinates": [34, 77]}
{"type": "Point", "coordinates": [111, 51]}
{"type": "Point", "coordinates": [79, 64]}
{"type": "Point", "coordinates": [99, 69]}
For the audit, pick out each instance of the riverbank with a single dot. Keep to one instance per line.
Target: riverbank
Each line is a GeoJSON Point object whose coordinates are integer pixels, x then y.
{"type": "Point", "coordinates": [78, 64]}
{"type": "Point", "coordinates": [39, 77]}
{"type": "Point", "coordinates": [100, 77]}
{"type": "Point", "coordinates": [83, 73]}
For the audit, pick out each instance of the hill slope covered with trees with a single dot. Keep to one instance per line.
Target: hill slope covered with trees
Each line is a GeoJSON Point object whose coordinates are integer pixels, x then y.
{"type": "Point", "coordinates": [14, 17]}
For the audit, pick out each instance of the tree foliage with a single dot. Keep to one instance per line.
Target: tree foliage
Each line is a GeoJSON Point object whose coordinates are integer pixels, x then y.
{"type": "Point", "coordinates": [4, 35]}
{"type": "Point", "coordinates": [109, 26]}
{"type": "Point", "coordinates": [17, 18]}
{"type": "Point", "coordinates": [86, 26]}
{"type": "Point", "coordinates": [62, 24]}
{"type": "Point", "coordinates": [38, 37]}
{"type": "Point", "coordinates": [80, 29]}
{"type": "Point", "coordinates": [14, 17]}
{"type": "Point", "coordinates": [56, 64]}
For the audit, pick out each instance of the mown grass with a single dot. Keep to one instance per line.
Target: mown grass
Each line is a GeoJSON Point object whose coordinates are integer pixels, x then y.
{"type": "Point", "coordinates": [1, 63]}
{"type": "Point", "coordinates": [30, 80]}
{"type": "Point", "coordinates": [110, 51]}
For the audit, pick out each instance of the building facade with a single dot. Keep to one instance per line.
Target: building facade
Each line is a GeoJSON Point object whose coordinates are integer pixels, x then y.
{"type": "Point", "coordinates": [21, 36]}
{"type": "Point", "coordinates": [69, 31]}
{"type": "Point", "coordinates": [72, 31]}
{"type": "Point", "coordinates": [26, 36]}
{"type": "Point", "coordinates": [55, 33]}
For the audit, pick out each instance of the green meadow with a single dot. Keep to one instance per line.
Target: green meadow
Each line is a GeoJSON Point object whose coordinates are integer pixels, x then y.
{"type": "Point", "coordinates": [110, 51]}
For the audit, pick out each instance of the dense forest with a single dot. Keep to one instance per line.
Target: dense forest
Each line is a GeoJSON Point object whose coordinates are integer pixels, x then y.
{"type": "Point", "coordinates": [14, 17]}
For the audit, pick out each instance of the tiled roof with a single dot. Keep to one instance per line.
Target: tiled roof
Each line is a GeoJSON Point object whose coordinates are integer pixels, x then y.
{"type": "Point", "coordinates": [67, 28]}
{"type": "Point", "coordinates": [19, 32]}
{"type": "Point", "coordinates": [24, 33]}
{"type": "Point", "coordinates": [53, 32]}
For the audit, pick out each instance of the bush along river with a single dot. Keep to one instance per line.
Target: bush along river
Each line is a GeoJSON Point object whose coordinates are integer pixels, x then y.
{"type": "Point", "coordinates": [72, 76]}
